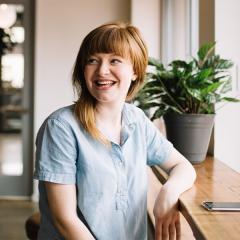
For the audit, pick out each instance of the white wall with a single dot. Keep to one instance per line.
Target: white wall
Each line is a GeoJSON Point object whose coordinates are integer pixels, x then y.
{"type": "Point", "coordinates": [145, 14]}
{"type": "Point", "coordinates": [227, 124]}
{"type": "Point", "coordinates": [60, 28]}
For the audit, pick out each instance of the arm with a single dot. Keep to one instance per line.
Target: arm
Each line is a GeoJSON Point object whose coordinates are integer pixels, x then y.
{"type": "Point", "coordinates": [63, 203]}
{"type": "Point", "coordinates": [181, 177]}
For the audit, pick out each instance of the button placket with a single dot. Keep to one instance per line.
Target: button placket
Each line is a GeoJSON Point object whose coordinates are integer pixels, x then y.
{"type": "Point", "coordinates": [121, 194]}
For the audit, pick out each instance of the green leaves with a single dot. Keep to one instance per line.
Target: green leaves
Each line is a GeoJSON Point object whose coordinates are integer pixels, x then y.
{"type": "Point", "coordinates": [229, 99]}
{"type": "Point", "coordinates": [205, 51]}
{"type": "Point", "coordinates": [187, 86]}
{"type": "Point", "coordinates": [156, 63]}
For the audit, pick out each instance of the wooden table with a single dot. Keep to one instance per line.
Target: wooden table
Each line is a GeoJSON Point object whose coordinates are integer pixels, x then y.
{"type": "Point", "coordinates": [215, 182]}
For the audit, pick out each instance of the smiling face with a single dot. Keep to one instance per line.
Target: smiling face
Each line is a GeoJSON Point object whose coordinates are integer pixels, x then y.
{"type": "Point", "coordinates": [100, 77]}
{"type": "Point", "coordinates": [126, 43]}
{"type": "Point", "coordinates": [108, 77]}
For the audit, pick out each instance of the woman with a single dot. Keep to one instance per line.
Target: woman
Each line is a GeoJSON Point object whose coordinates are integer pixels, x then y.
{"type": "Point", "coordinates": [91, 156]}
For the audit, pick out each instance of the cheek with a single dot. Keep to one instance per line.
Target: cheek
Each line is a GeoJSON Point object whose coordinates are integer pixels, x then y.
{"type": "Point", "coordinates": [129, 77]}
{"type": "Point", "coordinates": [132, 74]}
{"type": "Point", "coordinates": [87, 76]}
{"type": "Point", "coordinates": [128, 73]}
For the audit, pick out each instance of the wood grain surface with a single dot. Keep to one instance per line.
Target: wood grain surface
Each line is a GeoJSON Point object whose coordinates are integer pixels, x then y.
{"type": "Point", "coordinates": [215, 182]}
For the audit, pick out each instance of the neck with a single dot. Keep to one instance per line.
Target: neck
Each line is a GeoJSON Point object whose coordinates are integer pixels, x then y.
{"type": "Point", "coordinates": [108, 114]}
{"type": "Point", "coordinates": [108, 121]}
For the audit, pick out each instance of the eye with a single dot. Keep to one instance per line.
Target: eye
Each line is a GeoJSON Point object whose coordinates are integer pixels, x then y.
{"type": "Point", "coordinates": [92, 61]}
{"type": "Point", "coordinates": [115, 61]}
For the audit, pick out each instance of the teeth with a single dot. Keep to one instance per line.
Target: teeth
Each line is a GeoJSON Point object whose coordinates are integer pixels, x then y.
{"type": "Point", "coordinates": [104, 82]}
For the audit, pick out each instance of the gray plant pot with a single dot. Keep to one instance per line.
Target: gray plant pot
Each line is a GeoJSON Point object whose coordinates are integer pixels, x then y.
{"type": "Point", "coordinates": [190, 134]}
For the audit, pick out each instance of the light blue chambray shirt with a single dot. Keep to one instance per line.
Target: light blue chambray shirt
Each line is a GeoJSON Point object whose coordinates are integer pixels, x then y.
{"type": "Point", "coordinates": [111, 182]}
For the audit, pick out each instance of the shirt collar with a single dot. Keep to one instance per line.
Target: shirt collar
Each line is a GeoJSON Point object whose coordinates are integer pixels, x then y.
{"type": "Point", "coordinates": [128, 123]}
{"type": "Point", "coordinates": [128, 117]}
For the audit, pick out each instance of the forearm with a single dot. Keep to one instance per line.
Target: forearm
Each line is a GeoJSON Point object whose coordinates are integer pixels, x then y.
{"type": "Point", "coordinates": [181, 178]}
{"type": "Point", "coordinates": [64, 214]}
{"type": "Point", "coordinates": [73, 229]}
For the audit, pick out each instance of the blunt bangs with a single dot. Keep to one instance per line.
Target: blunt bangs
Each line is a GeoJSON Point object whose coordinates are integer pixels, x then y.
{"type": "Point", "coordinates": [109, 40]}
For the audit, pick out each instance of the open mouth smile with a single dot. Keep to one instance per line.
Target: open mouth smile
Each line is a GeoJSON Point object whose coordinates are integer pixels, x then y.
{"type": "Point", "coordinates": [104, 83]}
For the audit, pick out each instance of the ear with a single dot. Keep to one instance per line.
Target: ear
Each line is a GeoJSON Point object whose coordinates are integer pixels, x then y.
{"type": "Point", "coordinates": [134, 77]}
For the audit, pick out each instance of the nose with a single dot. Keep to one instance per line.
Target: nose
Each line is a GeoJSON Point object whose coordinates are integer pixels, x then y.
{"type": "Point", "coordinates": [103, 69]}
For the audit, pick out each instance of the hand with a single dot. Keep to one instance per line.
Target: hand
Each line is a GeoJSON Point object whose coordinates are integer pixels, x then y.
{"type": "Point", "coordinates": [167, 217]}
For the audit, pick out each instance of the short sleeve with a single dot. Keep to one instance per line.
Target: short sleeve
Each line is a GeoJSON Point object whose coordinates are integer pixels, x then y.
{"type": "Point", "coordinates": [56, 153]}
{"type": "Point", "coordinates": [158, 147]}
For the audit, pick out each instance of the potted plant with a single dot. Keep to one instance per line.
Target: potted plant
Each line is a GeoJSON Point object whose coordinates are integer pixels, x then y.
{"type": "Point", "coordinates": [185, 94]}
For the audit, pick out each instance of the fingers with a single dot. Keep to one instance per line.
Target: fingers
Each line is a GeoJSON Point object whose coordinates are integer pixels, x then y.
{"type": "Point", "coordinates": [172, 231]}
{"type": "Point", "coordinates": [178, 229]}
{"type": "Point", "coordinates": [158, 231]}
{"type": "Point", "coordinates": [165, 232]}
{"type": "Point", "coordinates": [168, 230]}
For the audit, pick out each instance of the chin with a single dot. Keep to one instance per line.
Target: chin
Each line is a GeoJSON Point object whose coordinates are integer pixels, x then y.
{"type": "Point", "coordinates": [106, 99]}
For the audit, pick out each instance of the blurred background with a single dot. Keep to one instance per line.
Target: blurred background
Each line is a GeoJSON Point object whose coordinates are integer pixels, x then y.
{"type": "Point", "coordinates": [39, 40]}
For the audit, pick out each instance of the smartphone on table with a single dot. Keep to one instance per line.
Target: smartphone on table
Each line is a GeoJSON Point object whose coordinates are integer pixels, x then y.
{"type": "Point", "coordinates": [221, 206]}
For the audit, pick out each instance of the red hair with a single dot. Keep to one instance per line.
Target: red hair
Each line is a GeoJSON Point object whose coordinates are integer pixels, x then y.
{"type": "Point", "coordinates": [119, 38]}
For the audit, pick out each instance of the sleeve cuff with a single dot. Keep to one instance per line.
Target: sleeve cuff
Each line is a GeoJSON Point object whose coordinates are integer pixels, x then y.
{"type": "Point", "coordinates": [62, 178]}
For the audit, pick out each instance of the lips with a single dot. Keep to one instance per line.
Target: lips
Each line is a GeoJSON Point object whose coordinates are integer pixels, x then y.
{"type": "Point", "coordinates": [104, 83]}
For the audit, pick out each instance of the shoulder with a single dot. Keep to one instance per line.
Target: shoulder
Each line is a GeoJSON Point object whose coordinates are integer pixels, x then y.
{"type": "Point", "coordinates": [64, 114]}
{"type": "Point", "coordinates": [133, 113]}
{"type": "Point", "coordinates": [62, 119]}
